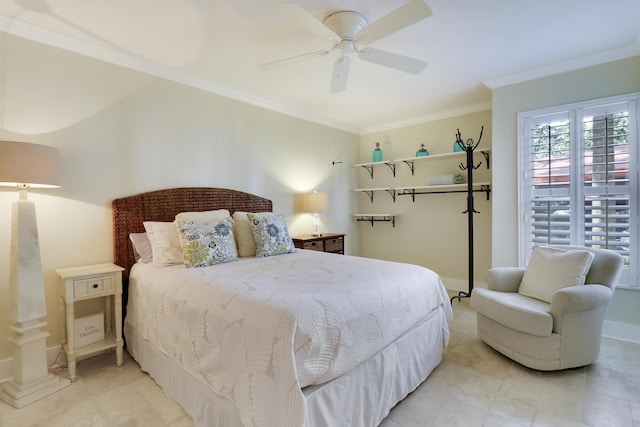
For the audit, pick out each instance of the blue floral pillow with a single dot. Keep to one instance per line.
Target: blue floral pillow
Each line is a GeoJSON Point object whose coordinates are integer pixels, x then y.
{"type": "Point", "coordinates": [207, 244]}
{"type": "Point", "coordinates": [271, 235]}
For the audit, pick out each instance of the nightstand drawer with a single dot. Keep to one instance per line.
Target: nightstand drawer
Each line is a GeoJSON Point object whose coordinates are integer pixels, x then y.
{"type": "Point", "coordinates": [314, 246]}
{"type": "Point", "coordinates": [88, 287]}
{"type": "Point", "coordinates": [334, 245]}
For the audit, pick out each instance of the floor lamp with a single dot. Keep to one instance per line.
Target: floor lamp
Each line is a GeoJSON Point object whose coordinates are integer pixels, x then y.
{"type": "Point", "coordinates": [24, 165]}
{"type": "Point", "coordinates": [313, 203]}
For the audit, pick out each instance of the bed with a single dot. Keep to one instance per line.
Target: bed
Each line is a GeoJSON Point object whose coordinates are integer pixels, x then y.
{"type": "Point", "coordinates": [300, 339]}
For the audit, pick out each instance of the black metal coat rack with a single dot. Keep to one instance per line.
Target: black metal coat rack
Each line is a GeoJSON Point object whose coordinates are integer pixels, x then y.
{"type": "Point", "coordinates": [468, 147]}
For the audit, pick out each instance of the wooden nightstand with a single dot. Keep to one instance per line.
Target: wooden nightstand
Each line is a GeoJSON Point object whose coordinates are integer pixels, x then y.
{"type": "Point", "coordinates": [328, 242]}
{"type": "Point", "coordinates": [82, 283]}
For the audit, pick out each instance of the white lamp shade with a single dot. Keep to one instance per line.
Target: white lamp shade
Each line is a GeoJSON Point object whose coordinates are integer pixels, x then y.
{"type": "Point", "coordinates": [315, 202]}
{"type": "Point", "coordinates": [32, 164]}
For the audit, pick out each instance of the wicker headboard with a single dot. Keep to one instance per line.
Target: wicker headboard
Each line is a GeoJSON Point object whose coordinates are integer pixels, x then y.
{"type": "Point", "coordinates": [163, 205]}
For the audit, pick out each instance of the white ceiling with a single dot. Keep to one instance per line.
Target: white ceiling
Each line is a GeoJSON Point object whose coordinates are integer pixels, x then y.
{"type": "Point", "coordinates": [471, 46]}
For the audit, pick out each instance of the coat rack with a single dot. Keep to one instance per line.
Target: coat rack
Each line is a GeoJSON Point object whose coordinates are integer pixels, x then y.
{"type": "Point", "coordinates": [468, 147]}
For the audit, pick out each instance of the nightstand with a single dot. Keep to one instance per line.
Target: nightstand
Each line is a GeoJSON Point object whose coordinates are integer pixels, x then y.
{"type": "Point", "coordinates": [328, 242]}
{"type": "Point", "coordinates": [83, 283]}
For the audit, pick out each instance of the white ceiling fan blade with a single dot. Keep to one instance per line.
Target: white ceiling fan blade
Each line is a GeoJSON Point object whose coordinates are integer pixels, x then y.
{"type": "Point", "coordinates": [293, 59]}
{"type": "Point", "coordinates": [410, 13]}
{"type": "Point", "coordinates": [393, 60]}
{"type": "Point", "coordinates": [308, 21]}
{"type": "Point", "coordinates": [340, 74]}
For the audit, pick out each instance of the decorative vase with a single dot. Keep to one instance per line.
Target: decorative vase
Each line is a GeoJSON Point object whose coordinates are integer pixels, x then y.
{"type": "Point", "coordinates": [422, 151]}
{"type": "Point", "coordinates": [377, 153]}
{"type": "Point", "coordinates": [458, 147]}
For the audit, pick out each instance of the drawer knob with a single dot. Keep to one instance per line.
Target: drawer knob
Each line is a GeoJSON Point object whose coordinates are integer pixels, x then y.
{"type": "Point", "coordinates": [95, 286]}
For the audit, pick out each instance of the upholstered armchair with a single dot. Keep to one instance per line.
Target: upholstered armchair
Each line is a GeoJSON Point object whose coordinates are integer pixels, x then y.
{"type": "Point", "coordinates": [549, 315]}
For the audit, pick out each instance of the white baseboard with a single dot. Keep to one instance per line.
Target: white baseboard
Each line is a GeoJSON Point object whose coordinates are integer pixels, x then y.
{"type": "Point", "coordinates": [6, 365]}
{"type": "Point", "coordinates": [621, 331]}
{"type": "Point", "coordinates": [456, 285]}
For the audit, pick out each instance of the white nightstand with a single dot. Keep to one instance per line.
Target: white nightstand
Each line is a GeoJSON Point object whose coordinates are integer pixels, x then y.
{"type": "Point", "coordinates": [82, 283]}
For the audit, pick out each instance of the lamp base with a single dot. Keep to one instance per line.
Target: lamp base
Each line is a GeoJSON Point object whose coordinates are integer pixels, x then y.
{"type": "Point", "coordinates": [31, 379]}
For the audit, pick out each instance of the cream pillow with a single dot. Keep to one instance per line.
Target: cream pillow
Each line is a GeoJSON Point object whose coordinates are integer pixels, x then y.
{"type": "Point", "coordinates": [243, 234]}
{"type": "Point", "coordinates": [165, 243]}
{"type": "Point", "coordinates": [204, 217]}
{"type": "Point", "coordinates": [551, 269]}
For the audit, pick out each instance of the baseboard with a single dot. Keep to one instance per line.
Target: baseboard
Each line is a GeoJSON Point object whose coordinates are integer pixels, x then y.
{"type": "Point", "coordinates": [53, 353]}
{"type": "Point", "coordinates": [457, 285]}
{"type": "Point", "coordinates": [621, 331]}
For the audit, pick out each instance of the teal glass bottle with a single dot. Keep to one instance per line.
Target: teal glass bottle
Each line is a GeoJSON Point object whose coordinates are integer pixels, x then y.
{"type": "Point", "coordinates": [377, 153]}
{"type": "Point", "coordinates": [422, 151]}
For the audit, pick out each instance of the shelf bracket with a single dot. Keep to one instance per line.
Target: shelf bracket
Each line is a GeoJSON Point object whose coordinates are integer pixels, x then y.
{"type": "Point", "coordinates": [392, 166]}
{"type": "Point", "coordinates": [486, 157]}
{"type": "Point", "coordinates": [392, 192]}
{"type": "Point", "coordinates": [370, 194]}
{"type": "Point", "coordinates": [486, 189]}
{"type": "Point", "coordinates": [369, 169]}
{"type": "Point", "coordinates": [411, 165]}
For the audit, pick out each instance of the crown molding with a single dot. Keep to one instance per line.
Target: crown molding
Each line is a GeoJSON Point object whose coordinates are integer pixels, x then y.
{"type": "Point", "coordinates": [564, 66]}
{"type": "Point", "coordinates": [113, 56]}
{"type": "Point", "coordinates": [473, 108]}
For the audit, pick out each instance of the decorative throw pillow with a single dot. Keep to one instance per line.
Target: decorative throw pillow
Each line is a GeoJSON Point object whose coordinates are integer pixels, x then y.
{"type": "Point", "coordinates": [244, 235]}
{"type": "Point", "coordinates": [142, 251]}
{"type": "Point", "coordinates": [206, 216]}
{"type": "Point", "coordinates": [271, 235]}
{"type": "Point", "coordinates": [551, 269]}
{"type": "Point", "coordinates": [207, 244]}
{"type": "Point", "coordinates": [165, 243]}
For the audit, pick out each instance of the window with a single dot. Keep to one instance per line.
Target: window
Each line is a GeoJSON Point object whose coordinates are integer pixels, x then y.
{"type": "Point", "coordinates": [578, 179]}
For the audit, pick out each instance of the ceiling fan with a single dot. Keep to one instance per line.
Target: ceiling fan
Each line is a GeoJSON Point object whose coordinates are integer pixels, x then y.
{"type": "Point", "coordinates": [348, 30]}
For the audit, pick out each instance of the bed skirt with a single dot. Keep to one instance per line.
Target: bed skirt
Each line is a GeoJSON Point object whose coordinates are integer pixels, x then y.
{"type": "Point", "coordinates": [362, 397]}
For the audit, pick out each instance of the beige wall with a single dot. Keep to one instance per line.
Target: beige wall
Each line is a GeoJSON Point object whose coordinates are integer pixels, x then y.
{"type": "Point", "coordinates": [614, 78]}
{"type": "Point", "coordinates": [432, 231]}
{"type": "Point", "coordinates": [121, 132]}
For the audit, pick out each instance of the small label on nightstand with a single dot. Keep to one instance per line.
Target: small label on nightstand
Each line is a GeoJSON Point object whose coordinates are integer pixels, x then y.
{"type": "Point", "coordinates": [88, 329]}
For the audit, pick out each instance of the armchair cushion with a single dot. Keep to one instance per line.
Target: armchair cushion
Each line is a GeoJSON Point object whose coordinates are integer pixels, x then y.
{"type": "Point", "coordinates": [551, 269]}
{"type": "Point", "coordinates": [519, 312]}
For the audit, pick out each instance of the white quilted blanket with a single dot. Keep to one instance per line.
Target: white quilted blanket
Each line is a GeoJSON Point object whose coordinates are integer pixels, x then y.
{"type": "Point", "coordinates": [257, 330]}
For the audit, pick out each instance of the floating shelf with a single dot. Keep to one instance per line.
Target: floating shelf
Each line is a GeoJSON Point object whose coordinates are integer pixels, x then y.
{"type": "Point", "coordinates": [372, 218]}
{"type": "Point", "coordinates": [410, 161]}
{"type": "Point", "coordinates": [412, 191]}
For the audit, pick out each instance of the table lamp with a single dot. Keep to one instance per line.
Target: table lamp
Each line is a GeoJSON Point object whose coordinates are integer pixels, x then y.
{"type": "Point", "coordinates": [313, 203]}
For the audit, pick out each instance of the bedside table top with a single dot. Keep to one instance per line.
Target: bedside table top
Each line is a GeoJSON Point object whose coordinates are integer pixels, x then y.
{"type": "Point", "coordinates": [87, 270]}
{"type": "Point", "coordinates": [321, 237]}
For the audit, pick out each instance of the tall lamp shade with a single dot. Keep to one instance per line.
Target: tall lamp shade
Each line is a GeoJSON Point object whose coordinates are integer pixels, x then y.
{"type": "Point", "coordinates": [314, 203]}
{"type": "Point", "coordinates": [24, 165]}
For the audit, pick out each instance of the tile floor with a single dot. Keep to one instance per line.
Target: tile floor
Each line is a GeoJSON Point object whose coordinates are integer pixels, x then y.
{"type": "Point", "coordinates": [473, 386]}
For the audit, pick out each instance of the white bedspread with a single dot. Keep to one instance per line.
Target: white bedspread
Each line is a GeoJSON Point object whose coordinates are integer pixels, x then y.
{"type": "Point", "coordinates": [257, 330]}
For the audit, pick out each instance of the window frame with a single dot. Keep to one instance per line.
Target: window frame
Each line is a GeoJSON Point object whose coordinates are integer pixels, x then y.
{"type": "Point", "coordinates": [574, 113]}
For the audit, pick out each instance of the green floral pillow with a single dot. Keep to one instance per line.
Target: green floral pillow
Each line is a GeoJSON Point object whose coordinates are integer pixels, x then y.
{"type": "Point", "coordinates": [207, 244]}
{"type": "Point", "coordinates": [271, 235]}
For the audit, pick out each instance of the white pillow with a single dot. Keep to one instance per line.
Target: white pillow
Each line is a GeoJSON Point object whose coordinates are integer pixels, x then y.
{"type": "Point", "coordinates": [242, 232]}
{"type": "Point", "coordinates": [165, 243]}
{"type": "Point", "coordinates": [551, 269]}
{"type": "Point", "coordinates": [204, 217]}
{"type": "Point", "coordinates": [271, 235]}
{"type": "Point", "coordinates": [142, 251]}
{"type": "Point", "coordinates": [205, 244]}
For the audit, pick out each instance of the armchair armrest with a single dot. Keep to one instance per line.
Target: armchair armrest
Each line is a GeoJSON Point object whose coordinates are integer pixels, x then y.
{"type": "Point", "coordinates": [504, 279]}
{"type": "Point", "coordinates": [575, 299]}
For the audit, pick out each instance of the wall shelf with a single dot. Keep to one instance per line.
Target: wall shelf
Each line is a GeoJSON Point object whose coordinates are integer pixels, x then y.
{"type": "Point", "coordinates": [413, 191]}
{"type": "Point", "coordinates": [372, 218]}
{"type": "Point", "coordinates": [410, 161]}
